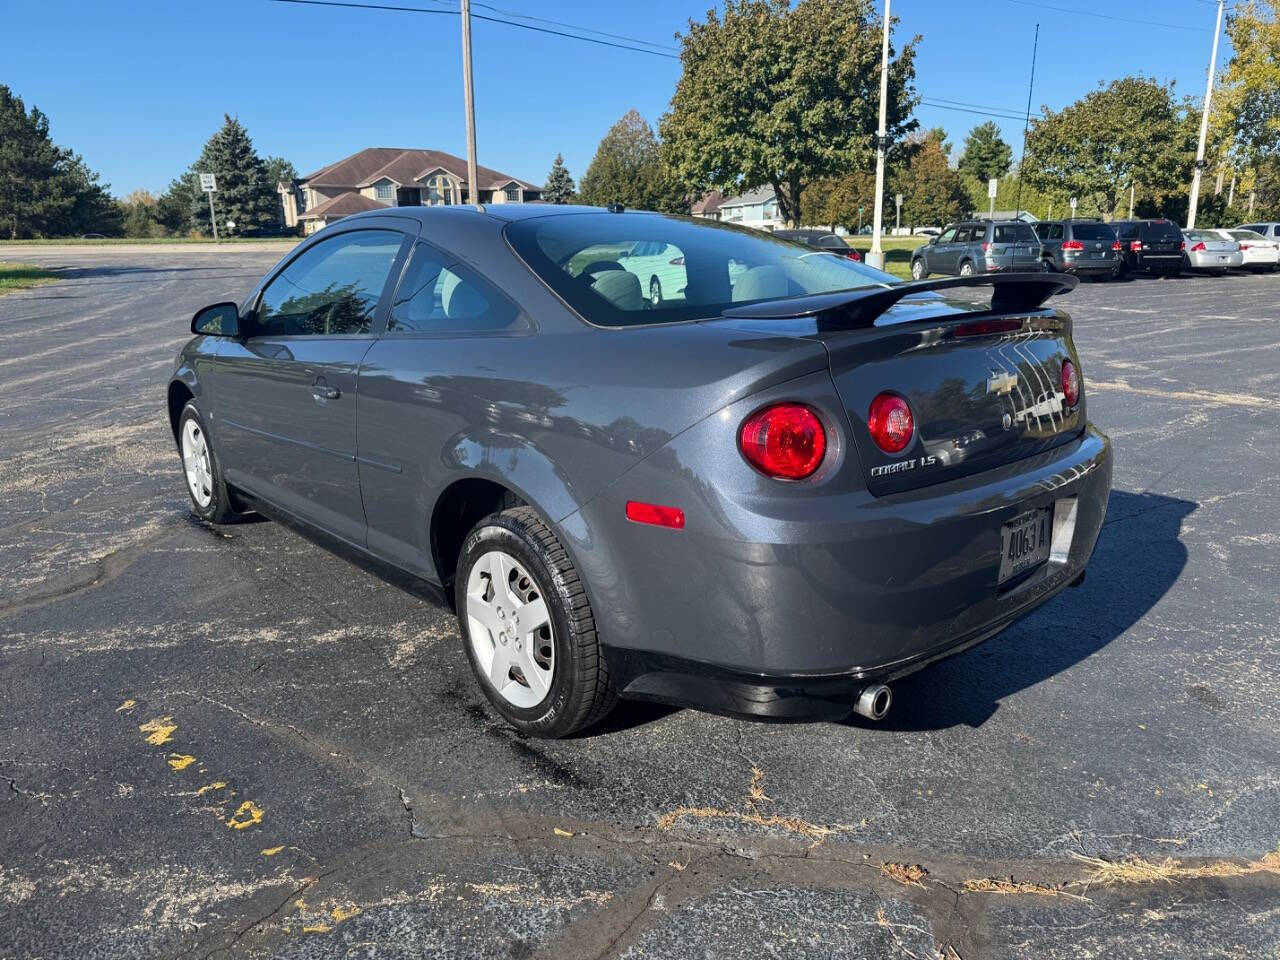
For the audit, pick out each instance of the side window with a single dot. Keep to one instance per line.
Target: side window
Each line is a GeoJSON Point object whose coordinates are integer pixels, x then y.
{"type": "Point", "coordinates": [438, 295]}
{"type": "Point", "coordinates": [332, 288]}
{"type": "Point", "coordinates": [1005, 234]}
{"type": "Point", "coordinates": [1055, 232]}
{"type": "Point", "coordinates": [1042, 231]}
{"type": "Point", "coordinates": [962, 235]}
{"type": "Point", "coordinates": [948, 235]}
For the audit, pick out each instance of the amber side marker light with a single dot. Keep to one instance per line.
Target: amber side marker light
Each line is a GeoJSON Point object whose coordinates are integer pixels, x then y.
{"type": "Point", "coordinates": [655, 514]}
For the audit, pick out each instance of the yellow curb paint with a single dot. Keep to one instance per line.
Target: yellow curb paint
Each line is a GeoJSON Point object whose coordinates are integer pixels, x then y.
{"type": "Point", "coordinates": [246, 815]}
{"type": "Point", "coordinates": [272, 851]}
{"type": "Point", "coordinates": [159, 731]}
{"type": "Point", "coordinates": [341, 913]}
{"type": "Point", "coordinates": [317, 928]}
{"type": "Point", "coordinates": [180, 761]}
{"type": "Point", "coordinates": [216, 785]}
{"type": "Point", "coordinates": [126, 706]}
{"type": "Point", "coordinates": [562, 833]}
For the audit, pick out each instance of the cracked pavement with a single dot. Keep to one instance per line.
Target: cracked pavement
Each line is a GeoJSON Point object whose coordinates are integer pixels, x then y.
{"type": "Point", "coordinates": [229, 742]}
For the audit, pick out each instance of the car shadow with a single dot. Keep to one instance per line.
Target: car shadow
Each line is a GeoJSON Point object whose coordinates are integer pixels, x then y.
{"type": "Point", "coordinates": [1139, 556]}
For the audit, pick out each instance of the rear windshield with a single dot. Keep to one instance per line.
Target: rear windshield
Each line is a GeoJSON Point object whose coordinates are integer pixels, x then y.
{"type": "Point", "coordinates": [1162, 230]}
{"type": "Point", "coordinates": [620, 270]}
{"type": "Point", "coordinates": [1092, 231]}
{"type": "Point", "coordinates": [1247, 235]}
{"type": "Point", "coordinates": [1012, 232]}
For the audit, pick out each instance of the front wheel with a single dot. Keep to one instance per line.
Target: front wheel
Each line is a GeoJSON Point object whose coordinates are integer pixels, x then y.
{"type": "Point", "coordinates": [528, 627]}
{"type": "Point", "coordinates": [918, 272]}
{"type": "Point", "coordinates": [210, 499]}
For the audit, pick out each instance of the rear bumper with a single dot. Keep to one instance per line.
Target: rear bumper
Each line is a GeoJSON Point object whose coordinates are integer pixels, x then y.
{"type": "Point", "coordinates": [792, 623]}
{"type": "Point", "coordinates": [1085, 267]}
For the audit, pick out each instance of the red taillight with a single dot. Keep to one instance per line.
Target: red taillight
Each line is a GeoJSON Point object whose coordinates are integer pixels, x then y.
{"type": "Point", "coordinates": [655, 514]}
{"type": "Point", "coordinates": [854, 255]}
{"type": "Point", "coordinates": [1070, 383]}
{"type": "Point", "coordinates": [786, 441]}
{"type": "Point", "coordinates": [677, 262]}
{"type": "Point", "coordinates": [1073, 245]}
{"type": "Point", "coordinates": [1135, 246]}
{"type": "Point", "coordinates": [1183, 245]}
{"type": "Point", "coordinates": [985, 246]}
{"type": "Point", "coordinates": [986, 328]}
{"type": "Point", "coordinates": [1244, 246]}
{"type": "Point", "coordinates": [1116, 246]}
{"type": "Point", "coordinates": [1198, 248]}
{"type": "Point", "coordinates": [890, 423]}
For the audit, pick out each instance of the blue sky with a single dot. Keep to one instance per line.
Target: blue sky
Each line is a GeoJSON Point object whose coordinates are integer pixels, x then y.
{"type": "Point", "coordinates": [137, 87]}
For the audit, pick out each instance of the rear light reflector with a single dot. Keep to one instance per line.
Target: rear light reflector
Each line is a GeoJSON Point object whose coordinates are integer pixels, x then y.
{"type": "Point", "coordinates": [1198, 248]}
{"type": "Point", "coordinates": [1070, 383]}
{"type": "Point", "coordinates": [786, 441]}
{"type": "Point", "coordinates": [854, 255]}
{"type": "Point", "coordinates": [1116, 246]}
{"type": "Point", "coordinates": [985, 328]}
{"type": "Point", "coordinates": [1244, 246]}
{"type": "Point", "coordinates": [655, 514]}
{"type": "Point", "coordinates": [1135, 246]}
{"type": "Point", "coordinates": [890, 423]}
{"type": "Point", "coordinates": [1073, 245]}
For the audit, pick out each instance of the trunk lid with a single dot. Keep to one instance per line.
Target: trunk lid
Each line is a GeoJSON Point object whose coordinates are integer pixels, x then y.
{"type": "Point", "coordinates": [984, 383]}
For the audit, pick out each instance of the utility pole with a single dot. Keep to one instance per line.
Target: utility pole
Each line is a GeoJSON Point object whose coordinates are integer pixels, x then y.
{"type": "Point", "coordinates": [875, 256]}
{"type": "Point", "coordinates": [468, 97]}
{"type": "Point", "coordinates": [1231, 194]}
{"type": "Point", "coordinates": [1131, 200]}
{"type": "Point", "coordinates": [1204, 122]}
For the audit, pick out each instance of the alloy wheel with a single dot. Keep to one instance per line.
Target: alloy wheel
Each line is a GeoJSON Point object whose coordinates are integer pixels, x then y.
{"type": "Point", "coordinates": [509, 629]}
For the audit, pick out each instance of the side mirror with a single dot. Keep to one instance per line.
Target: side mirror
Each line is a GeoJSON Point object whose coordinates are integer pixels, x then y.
{"type": "Point", "coordinates": [219, 320]}
{"type": "Point", "coordinates": [933, 239]}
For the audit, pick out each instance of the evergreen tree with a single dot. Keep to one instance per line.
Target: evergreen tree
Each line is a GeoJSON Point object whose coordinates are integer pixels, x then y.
{"type": "Point", "coordinates": [985, 155]}
{"type": "Point", "coordinates": [629, 169]}
{"type": "Point", "coordinates": [173, 208]}
{"type": "Point", "coordinates": [559, 188]}
{"type": "Point", "coordinates": [92, 209]}
{"type": "Point", "coordinates": [246, 195]}
{"type": "Point", "coordinates": [933, 193]}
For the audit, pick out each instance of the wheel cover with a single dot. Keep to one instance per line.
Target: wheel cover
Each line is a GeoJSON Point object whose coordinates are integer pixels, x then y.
{"type": "Point", "coordinates": [196, 464]}
{"type": "Point", "coordinates": [509, 629]}
{"type": "Point", "coordinates": [966, 270]}
{"type": "Point", "coordinates": [655, 292]}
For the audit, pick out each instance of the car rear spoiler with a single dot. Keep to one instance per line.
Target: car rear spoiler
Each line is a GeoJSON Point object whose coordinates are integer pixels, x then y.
{"type": "Point", "coordinates": [1011, 293]}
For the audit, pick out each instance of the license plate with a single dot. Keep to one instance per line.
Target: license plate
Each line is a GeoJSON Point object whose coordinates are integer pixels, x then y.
{"type": "Point", "coordinates": [1024, 543]}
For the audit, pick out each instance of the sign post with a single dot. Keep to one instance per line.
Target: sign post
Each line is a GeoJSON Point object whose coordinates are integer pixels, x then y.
{"type": "Point", "coordinates": [897, 220]}
{"type": "Point", "coordinates": [209, 184]}
{"type": "Point", "coordinates": [860, 220]}
{"type": "Point", "coordinates": [993, 185]}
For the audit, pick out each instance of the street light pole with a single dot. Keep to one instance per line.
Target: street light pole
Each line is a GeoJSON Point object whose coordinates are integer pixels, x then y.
{"type": "Point", "coordinates": [1204, 123]}
{"type": "Point", "coordinates": [875, 256]}
{"type": "Point", "coordinates": [468, 97]}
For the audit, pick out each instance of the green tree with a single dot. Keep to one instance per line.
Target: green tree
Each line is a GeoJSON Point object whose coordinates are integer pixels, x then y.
{"type": "Point", "coordinates": [173, 208]}
{"type": "Point", "coordinates": [1246, 119]}
{"type": "Point", "coordinates": [781, 95]}
{"type": "Point", "coordinates": [985, 155]}
{"type": "Point", "coordinates": [559, 188]}
{"type": "Point", "coordinates": [628, 168]}
{"type": "Point", "coordinates": [246, 193]}
{"type": "Point", "coordinates": [932, 193]}
{"type": "Point", "coordinates": [45, 189]}
{"type": "Point", "coordinates": [280, 170]}
{"type": "Point", "coordinates": [1131, 131]}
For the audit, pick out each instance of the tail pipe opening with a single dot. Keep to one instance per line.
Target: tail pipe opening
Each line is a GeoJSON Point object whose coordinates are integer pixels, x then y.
{"type": "Point", "coordinates": [874, 701]}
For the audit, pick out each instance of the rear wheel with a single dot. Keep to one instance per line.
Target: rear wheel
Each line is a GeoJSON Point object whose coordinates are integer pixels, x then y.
{"type": "Point", "coordinates": [655, 292]}
{"type": "Point", "coordinates": [918, 272]}
{"type": "Point", "coordinates": [528, 627]}
{"type": "Point", "coordinates": [210, 499]}
{"type": "Point", "coordinates": [966, 269]}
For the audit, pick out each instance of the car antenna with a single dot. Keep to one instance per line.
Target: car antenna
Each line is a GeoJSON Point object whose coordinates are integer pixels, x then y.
{"type": "Point", "coordinates": [615, 208]}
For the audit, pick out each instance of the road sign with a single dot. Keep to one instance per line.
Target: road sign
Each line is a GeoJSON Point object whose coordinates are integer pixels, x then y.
{"type": "Point", "coordinates": [898, 199]}
{"type": "Point", "coordinates": [208, 183]}
{"type": "Point", "coordinates": [1073, 205]}
{"type": "Point", "coordinates": [992, 186]}
{"type": "Point", "coordinates": [860, 211]}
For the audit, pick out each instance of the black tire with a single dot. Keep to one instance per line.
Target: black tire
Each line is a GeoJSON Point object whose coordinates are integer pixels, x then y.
{"type": "Point", "coordinates": [918, 271]}
{"type": "Point", "coordinates": [221, 507]}
{"type": "Point", "coordinates": [1048, 266]}
{"type": "Point", "coordinates": [655, 291]}
{"type": "Point", "coordinates": [581, 691]}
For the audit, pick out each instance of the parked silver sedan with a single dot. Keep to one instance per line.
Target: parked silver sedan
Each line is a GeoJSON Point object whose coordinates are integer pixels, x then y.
{"type": "Point", "coordinates": [1206, 250]}
{"type": "Point", "coordinates": [1258, 253]}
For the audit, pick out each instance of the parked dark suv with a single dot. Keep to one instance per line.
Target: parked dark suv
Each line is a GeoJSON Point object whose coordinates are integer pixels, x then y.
{"type": "Point", "coordinates": [979, 246]}
{"type": "Point", "coordinates": [820, 240]}
{"type": "Point", "coordinates": [1087, 248]}
{"type": "Point", "coordinates": [1152, 245]}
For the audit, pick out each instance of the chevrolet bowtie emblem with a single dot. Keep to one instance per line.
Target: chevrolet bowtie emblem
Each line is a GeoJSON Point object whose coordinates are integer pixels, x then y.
{"type": "Point", "coordinates": [1002, 383]}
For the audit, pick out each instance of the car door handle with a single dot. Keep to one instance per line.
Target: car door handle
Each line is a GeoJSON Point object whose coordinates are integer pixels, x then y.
{"type": "Point", "coordinates": [322, 391]}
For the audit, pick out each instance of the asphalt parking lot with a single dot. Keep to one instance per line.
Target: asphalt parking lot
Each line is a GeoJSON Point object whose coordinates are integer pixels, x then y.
{"type": "Point", "coordinates": [229, 741]}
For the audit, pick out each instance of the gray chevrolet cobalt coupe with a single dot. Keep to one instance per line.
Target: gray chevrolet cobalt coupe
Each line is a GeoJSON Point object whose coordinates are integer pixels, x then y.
{"type": "Point", "coordinates": [785, 484]}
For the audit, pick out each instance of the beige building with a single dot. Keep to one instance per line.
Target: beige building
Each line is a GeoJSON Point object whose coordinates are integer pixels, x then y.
{"type": "Point", "coordinates": [378, 177]}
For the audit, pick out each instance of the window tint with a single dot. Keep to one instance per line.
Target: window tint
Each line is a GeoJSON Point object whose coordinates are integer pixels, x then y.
{"type": "Point", "coordinates": [438, 295]}
{"type": "Point", "coordinates": [601, 265]}
{"type": "Point", "coordinates": [962, 235]}
{"type": "Point", "coordinates": [332, 288]}
{"type": "Point", "coordinates": [1055, 233]}
{"type": "Point", "coordinates": [1162, 230]}
{"type": "Point", "coordinates": [1255, 227]}
{"type": "Point", "coordinates": [1006, 233]}
{"type": "Point", "coordinates": [1092, 231]}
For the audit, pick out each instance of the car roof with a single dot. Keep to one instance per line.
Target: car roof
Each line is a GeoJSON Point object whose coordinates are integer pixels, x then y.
{"type": "Point", "coordinates": [495, 211]}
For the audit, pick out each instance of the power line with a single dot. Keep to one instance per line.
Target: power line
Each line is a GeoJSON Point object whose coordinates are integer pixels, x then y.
{"type": "Point", "coordinates": [1075, 12]}
{"type": "Point", "coordinates": [481, 16]}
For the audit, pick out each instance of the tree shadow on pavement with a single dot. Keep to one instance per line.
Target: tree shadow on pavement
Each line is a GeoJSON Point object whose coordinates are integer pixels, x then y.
{"type": "Point", "coordinates": [1138, 558]}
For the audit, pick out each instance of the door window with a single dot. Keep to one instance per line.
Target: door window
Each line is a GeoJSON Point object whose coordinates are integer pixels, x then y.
{"type": "Point", "coordinates": [438, 295]}
{"type": "Point", "coordinates": [1055, 232]}
{"type": "Point", "coordinates": [948, 235]}
{"type": "Point", "coordinates": [332, 288]}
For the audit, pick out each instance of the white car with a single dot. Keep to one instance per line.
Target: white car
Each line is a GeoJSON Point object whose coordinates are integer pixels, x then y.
{"type": "Point", "coordinates": [659, 267]}
{"type": "Point", "coordinates": [1259, 252]}
{"type": "Point", "coordinates": [1206, 250]}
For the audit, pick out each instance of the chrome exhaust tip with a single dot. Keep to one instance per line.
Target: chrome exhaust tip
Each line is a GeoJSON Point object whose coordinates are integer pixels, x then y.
{"type": "Point", "coordinates": [874, 701]}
